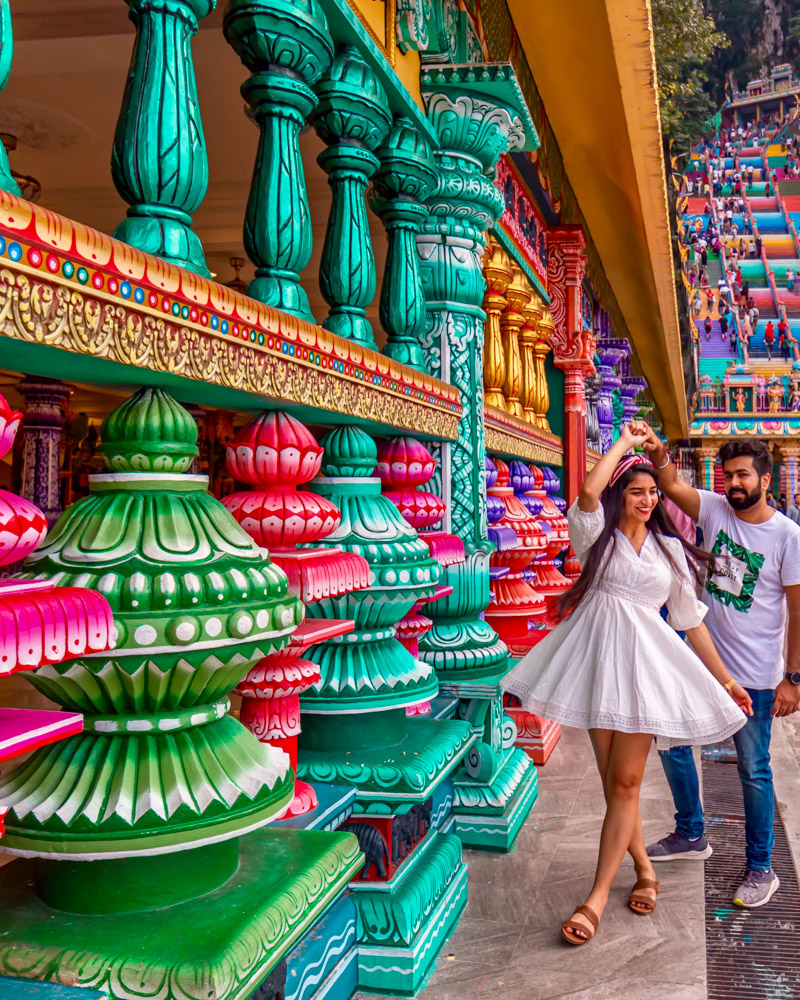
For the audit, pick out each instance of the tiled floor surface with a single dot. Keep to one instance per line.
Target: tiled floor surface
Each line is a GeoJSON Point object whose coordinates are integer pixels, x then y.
{"type": "Point", "coordinates": [508, 945]}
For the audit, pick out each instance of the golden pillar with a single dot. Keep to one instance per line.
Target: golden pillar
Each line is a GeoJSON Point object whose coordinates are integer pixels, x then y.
{"type": "Point", "coordinates": [531, 315]}
{"type": "Point", "coordinates": [790, 457]}
{"type": "Point", "coordinates": [497, 274]}
{"type": "Point", "coordinates": [518, 295]}
{"type": "Point", "coordinates": [541, 348]}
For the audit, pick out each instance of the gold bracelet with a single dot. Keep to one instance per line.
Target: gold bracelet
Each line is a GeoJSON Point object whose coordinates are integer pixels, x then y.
{"type": "Point", "coordinates": [730, 684]}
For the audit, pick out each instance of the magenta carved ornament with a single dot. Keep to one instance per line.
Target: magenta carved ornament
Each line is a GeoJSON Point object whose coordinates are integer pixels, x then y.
{"type": "Point", "coordinates": [278, 455]}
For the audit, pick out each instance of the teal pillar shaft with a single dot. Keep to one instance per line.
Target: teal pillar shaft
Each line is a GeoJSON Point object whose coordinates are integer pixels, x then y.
{"type": "Point", "coordinates": [277, 226]}
{"type": "Point", "coordinates": [158, 162]}
{"type": "Point", "coordinates": [7, 182]}
{"type": "Point", "coordinates": [402, 305]}
{"type": "Point", "coordinates": [347, 270]}
{"type": "Point", "coordinates": [286, 46]}
{"type": "Point", "coordinates": [405, 178]}
{"type": "Point", "coordinates": [353, 118]}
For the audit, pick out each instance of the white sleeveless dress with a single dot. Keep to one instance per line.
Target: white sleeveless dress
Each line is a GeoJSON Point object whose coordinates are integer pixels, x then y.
{"type": "Point", "coordinates": [614, 663]}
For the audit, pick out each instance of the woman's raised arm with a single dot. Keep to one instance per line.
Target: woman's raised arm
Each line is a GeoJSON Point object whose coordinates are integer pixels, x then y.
{"type": "Point", "coordinates": [630, 436]}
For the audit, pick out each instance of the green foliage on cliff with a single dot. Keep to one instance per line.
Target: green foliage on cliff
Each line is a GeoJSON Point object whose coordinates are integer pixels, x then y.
{"type": "Point", "coordinates": [686, 41]}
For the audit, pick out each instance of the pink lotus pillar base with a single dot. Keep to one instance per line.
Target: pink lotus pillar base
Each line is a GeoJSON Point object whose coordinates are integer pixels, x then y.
{"type": "Point", "coordinates": [271, 697]}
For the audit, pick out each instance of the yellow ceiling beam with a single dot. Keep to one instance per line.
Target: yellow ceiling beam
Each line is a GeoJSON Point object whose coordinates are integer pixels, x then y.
{"type": "Point", "coordinates": [594, 66]}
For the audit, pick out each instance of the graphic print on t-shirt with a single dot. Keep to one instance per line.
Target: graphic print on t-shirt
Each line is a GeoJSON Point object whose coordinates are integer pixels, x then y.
{"type": "Point", "coordinates": [734, 578]}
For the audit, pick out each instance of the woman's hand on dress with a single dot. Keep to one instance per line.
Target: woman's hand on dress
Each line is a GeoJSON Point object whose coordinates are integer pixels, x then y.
{"type": "Point", "coordinates": [742, 698]}
{"type": "Point", "coordinates": [634, 433]}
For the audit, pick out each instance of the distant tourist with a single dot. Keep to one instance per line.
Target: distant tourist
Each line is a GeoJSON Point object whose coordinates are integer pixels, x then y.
{"type": "Point", "coordinates": [707, 327]}
{"type": "Point", "coordinates": [789, 280]}
{"type": "Point", "coordinates": [769, 338]}
{"type": "Point", "coordinates": [615, 667]}
{"type": "Point", "coordinates": [783, 341]}
{"type": "Point", "coordinates": [754, 577]}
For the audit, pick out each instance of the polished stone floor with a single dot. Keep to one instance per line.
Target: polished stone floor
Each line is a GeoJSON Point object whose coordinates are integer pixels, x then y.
{"type": "Point", "coordinates": [508, 945]}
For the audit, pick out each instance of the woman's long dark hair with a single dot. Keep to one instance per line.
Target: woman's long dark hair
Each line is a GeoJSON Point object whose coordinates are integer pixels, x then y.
{"type": "Point", "coordinates": [660, 524]}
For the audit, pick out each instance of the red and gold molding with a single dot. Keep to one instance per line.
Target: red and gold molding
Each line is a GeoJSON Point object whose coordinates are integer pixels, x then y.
{"type": "Point", "coordinates": [592, 458]}
{"type": "Point", "coordinates": [514, 438]}
{"type": "Point", "coordinates": [67, 286]}
{"type": "Point", "coordinates": [521, 220]}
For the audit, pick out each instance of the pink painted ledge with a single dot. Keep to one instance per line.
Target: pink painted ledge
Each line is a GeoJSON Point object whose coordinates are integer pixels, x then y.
{"type": "Point", "coordinates": [26, 729]}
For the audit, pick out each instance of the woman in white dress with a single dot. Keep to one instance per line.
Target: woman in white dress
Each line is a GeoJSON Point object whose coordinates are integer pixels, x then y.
{"type": "Point", "coordinates": [615, 667]}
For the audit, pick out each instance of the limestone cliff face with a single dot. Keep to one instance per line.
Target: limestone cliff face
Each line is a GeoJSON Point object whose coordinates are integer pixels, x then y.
{"type": "Point", "coordinates": [760, 39]}
{"type": "Point", "coordinates": [768, 47]}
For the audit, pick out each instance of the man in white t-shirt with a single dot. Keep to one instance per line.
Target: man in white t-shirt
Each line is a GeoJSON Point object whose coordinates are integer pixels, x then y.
{"type": "Point", "coordinates": [754, 585]}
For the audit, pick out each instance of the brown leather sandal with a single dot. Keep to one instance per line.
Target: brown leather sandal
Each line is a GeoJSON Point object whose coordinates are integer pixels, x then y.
{"type": "Point", "coordinates": [594, 920]}
{"type": "Point", "coordinates": [646, 905]}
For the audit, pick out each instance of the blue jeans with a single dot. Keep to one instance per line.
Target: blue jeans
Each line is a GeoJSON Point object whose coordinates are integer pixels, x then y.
{"type": "Point", "coordinates": [752, 748]}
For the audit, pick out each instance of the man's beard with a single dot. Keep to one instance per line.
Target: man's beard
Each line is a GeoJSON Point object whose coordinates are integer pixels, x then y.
{"type": "Point", "coordinates": [744, 501]}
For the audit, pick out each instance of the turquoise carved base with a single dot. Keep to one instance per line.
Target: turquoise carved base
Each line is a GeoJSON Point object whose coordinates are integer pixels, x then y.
{"type": "Point", "coordinates": [489, 815]}
{"type": "Point", "coordinates": [405, 922]}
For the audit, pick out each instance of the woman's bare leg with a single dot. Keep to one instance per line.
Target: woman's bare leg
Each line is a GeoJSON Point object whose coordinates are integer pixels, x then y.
{"type": "Point", "coordinates": [601, 744]}
{"type": "Point", "coordinates": [627, 756]}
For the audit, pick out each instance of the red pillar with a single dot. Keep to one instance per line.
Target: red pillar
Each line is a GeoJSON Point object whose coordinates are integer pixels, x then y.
{"type": "Point", "coordinates": [573, 347]}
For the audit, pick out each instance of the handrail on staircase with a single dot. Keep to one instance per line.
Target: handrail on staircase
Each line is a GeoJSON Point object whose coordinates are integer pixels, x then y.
{"type": "Point", "coordinates": [742, 351]}
{"type": "Point", "coordinates": [789, 222]}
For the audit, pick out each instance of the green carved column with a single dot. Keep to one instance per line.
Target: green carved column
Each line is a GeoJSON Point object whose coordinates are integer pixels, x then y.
{"type": "Point", "coordinates": [158, 161]}
{"type": "Point", "coordinates": [7, 182]}
{"type": "Point", "coordinates": [353, 118]}
{"type": "Point", "coordinates": [478, 113]}
{"type": "Point", "coordinates": [402, 183]}
{"type": "Point", "coordinates": [287, 47]}
{"type": "Point", "coordinates": [357, 730]}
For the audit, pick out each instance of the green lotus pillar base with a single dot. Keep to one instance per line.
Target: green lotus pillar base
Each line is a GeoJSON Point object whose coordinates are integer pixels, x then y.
{"type": "Point", "coordinates": [401, 774]}
{"type": "Point", "coordinates": [489, 815]}
{"type": "Point", "coordinates": [496, 787]}
{"type": "Point", "coordinates": [405, 922]}
{"type": "Point", "coordinates": [386, 777]}
{"type": "Point", "coordinates": [221, 945]}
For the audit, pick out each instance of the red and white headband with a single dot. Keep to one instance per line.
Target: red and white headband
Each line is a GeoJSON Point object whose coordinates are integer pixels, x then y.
{"type": "Point", "coordinates": [628, 463]}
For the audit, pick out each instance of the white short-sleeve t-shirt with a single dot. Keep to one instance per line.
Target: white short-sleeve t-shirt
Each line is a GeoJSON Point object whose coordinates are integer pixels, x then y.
{"type": "Point", "coordinates": [745, 596]}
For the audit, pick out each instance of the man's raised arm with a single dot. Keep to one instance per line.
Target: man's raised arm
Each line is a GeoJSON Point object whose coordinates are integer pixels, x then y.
{"type": "Point", "coordinates": [669, 482]}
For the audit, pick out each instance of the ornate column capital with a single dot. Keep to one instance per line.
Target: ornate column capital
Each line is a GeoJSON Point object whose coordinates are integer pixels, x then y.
{"type": "Point", "coordinates": [478, 109]}
{"type": "Point", "coordinates": [566, 266]}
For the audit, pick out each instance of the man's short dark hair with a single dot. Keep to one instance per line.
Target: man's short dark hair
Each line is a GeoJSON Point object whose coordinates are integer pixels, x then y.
{"type": "Point", "coordinates": [757, 450]}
